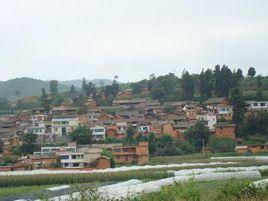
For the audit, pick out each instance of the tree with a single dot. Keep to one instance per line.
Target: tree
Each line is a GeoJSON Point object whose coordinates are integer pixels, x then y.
{"type": "Point", "coordinates": [238, 106]}
{"type": "Point", "coordinates": [29, 143]}
{"type": "Point", "coordinates": [53, 87]}
{"type": "Point", "coordinates": [239, 74]}
{"type": "Point", "coordinates": [206, 84]}
{"type": "Point", "coordinates": [217, 80]}
{"type": "Point", "coordinates": [197, 135]}
{"type": "Point", "coordinates": [187, 85]}
{"type": "Point", "coordinates": [251, 72]}
{"type": "Point", "coordinates": [44, 100]}
{"type": "Point", "coordinates": [17, 93]}
{"type": "Point", "coordinates": [4, 104]}
{"type": "Point", "coordinates": [256, 123]}
{"type": "Point", "coordinates": [226, 81]}
{"type": "Point", "coordinates": [259, 94]}
{"type": "Point", "coordinates": [164, 88]}
{"type": "Point", "coordinates": [222, 144]}
{"type": "Point", "coordinates": [82, 135]}
{"type": "Point", "coordinates": [72, 89]}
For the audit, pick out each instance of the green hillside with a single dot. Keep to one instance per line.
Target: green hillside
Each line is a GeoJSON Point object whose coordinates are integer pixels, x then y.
{"type": "Point", "coordinates": [24, 87]}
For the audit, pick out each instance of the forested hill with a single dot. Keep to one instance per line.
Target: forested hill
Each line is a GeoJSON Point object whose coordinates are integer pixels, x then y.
{"type": "Point", "coordinates": [78, 82]}
{"type": "Point", "coordinates": [24, 87]}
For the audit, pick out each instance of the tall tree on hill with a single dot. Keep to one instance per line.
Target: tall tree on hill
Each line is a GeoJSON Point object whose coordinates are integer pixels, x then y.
{"type": "Point", "coordinates": [206, 84]}
{"type": "Point", "coordinates": [223, 81]}
{"type": "Point", "coordinates": [53, 87]}
{"type": "Point", "coordinates": [251, 72]}
{"type": "Point", "coordinates": [72, 89]}
{"type": "Point", "coordinates": [84, 84]}
{"type": "Point", "coordinates": [226, 81]}
{"type": "Point", "coordinates": [239, 74]}
{"type": "Point", "coordinates": [164, 88]}
{"type": "Point", "coordinates": [259, 94]}
{"type": "Point", "coordinates": [44, 100]}
{"type": "Point", "coordinates": [217, 80]}
{"type": "Point", "coordinates": [238, 108]}
{"type": "Point", "coordinates": [187, 85]}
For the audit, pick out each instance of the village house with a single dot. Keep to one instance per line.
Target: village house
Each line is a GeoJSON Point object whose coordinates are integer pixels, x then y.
{"type": "Point", "coordinates": [220, 107]}
{"type": "Point", "coordinates": [176, 130]}
{"type": "Point", "coordinates": [209, 119]}
{"type": "Point", "coordinates": [213, 102]}
{"type": "Point", "coordinates": [132, 102]}
{"type": "Point", "coordinates": [224, 130]}
{"type": "Point", "coordinates": [256, 105]}
{"type": "Point", "coordinates": [63, 110]}
{"type": "Point", "coordinates": [124, 95]}
{"type": "Point", "coordinates": [64, 125]}
{"type": "Point", "coordinates": [38, 126]}
{"type": "Point", "coordinates": [256, 148]}
{"type": "Point", "coordinates": [131, 154]}
{"type": "Point", "coordinates": [103, 162]}
{"type": "Point", "coordinates": [94, 114]}
{"type": "Point", "coordinates": [98, 133]}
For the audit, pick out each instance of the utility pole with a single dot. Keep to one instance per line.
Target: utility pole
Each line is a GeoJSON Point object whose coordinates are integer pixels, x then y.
{"type": "Point", "coordinates": [203, 142]}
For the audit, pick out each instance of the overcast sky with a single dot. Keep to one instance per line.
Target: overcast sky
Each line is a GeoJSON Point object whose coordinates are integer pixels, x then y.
{"type": "Point", "coordinates": [63, 39]}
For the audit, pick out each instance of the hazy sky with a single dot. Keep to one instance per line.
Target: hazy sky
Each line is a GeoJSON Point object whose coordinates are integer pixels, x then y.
{"type": "Point", "coordinates": [63, 39]}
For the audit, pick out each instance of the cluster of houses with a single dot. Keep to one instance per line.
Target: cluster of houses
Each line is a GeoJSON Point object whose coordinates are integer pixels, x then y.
{"type": "Point", "coordinates": [106, 122]}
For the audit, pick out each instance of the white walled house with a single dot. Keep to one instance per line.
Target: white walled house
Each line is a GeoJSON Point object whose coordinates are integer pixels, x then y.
{"type": "Point", "coordinates": [257, 105]}
{"type": "Point", "coordinates": [62, 126]}
{"type": "Point", "coordinates": [98, 133]}
{"type": "Point", "coordinates": [38, 126]}
{"type": "Point", "coordinates": [209, 119]}
{"type": "Point", "coordinates": [144, 128]}
{"type": "Point", "coordinates": [72, 160]}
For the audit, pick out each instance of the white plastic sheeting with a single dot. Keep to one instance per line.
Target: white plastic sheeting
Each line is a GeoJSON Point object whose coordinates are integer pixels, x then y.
{"type": "Point", "coordinates": [155, 186]}
{"type": "Point", "coordinates": [240, 158]}
{"type": "Point", "coordinates": [110, 190]}
{"type": "Point", "coordinates": [108, 170]}
{"type": "Point", "coordinates": [134, 188]}
{"type": "Point", "coordinates": [218, 169]}
{"type": "Point", "coordinates": [261, 183]}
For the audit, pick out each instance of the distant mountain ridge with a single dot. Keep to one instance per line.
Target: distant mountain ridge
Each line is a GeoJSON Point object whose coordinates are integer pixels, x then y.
{"type": "Point", "coordinates": [17, 88]}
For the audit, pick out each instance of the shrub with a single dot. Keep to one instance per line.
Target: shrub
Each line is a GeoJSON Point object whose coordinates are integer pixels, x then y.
{"type": "Point", "coordinates": [222, 144]}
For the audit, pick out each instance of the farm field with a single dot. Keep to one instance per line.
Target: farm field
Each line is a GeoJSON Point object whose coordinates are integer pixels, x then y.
{"type": "Point", "coordinates": [161, 168]}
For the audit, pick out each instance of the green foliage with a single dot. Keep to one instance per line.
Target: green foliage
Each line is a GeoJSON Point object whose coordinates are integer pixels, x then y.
{"type": "Point", "coordinates": [53, 87]}
{"type": "Point", "coordinates": [238, 106]}
{"type": "Point", "coordinates": [187, 85]}
{"type": "Point", "coordinates": [166, 146]}
{"type": "Point", "coordinates": [251, 72]}
{"type": "Point", "coordinates": [44, 100]}
{"type": "Point", "coordinates": [237, 189]}
{"type": "Point", "coordinates": [26, 86]}
{"type": "Point", "coordinates": [256, 123]}
{"type": "Point", "coordinates": [198, 134]}
{"type": "Point", "coordinates": [82, 135]}
{"type": "Point", "coordinates": [164, 88]}
{"type": "Point", "coordinates": [29, 180]}
{"type": "Point", "coordinates": [222, 144]}
{"type": "Point", "coordinates": [206, 84]}
{"type": "Point", "coordinates": [29, 143]}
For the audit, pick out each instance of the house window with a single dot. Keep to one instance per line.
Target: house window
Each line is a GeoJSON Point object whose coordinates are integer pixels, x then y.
{"type": "Point", "coordinates": [64, 157]}
{"type": "Point", "coordinates": [255, 104]}
{"type": "Point", "coordinates": [262, 104]}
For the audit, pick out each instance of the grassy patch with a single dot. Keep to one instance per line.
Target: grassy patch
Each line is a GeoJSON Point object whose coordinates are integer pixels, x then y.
{"type": "Point", "coordinates": [21, 190]}
{"type": "Point", "coordinates": [232, 190]}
